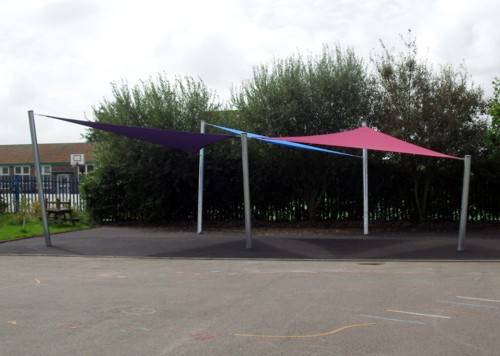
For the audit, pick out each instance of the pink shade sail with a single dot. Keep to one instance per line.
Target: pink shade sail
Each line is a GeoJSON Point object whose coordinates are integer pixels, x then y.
{"type": "Point", "coordinates": [365, 137]}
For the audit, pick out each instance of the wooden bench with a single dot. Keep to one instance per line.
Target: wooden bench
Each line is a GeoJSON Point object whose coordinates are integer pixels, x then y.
{"type": "Point", "coordinates": [60, 211]}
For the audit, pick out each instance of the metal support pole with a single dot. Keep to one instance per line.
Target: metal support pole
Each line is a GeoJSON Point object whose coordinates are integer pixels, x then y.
{"type": "Point", "coordinates": [201, 171]}
{"type": "Point", "coordinates": [365, 188]}
{"type": "Point", "coordinates": [246, 190]}
{"type": "Point", "coordinates": [465, 203]}
{"type": "Point", "coordinates": [38, 172]}
{"type": "Point", "coordinates": [365, 191]}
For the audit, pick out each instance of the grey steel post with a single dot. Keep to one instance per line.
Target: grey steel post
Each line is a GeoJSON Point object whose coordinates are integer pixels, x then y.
{"type": "Point", "coordinates": [246, 191]}
{"type": "Point", "coordinates": [201, 171]}
{"type": "Point", "coordinates": [365, 188]}
{"type": "Point", "coordinates": [38, 172]}
{"type": "Point", "coordinates": [465, 202]}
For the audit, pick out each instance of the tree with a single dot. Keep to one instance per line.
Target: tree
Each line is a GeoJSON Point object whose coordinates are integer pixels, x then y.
{"type": "Point", "coordinates": [303, 96]}
{"type": "Point", "coordinates": [493, 135]}
{"type": "Point", "coordinates": [440, 110]}
{"type": "Point", "coordinates": [138, 179]}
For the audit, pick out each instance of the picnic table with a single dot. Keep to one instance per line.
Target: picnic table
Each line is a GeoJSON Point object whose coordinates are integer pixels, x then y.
{"type": "Point", "coordinates": [60, 211]}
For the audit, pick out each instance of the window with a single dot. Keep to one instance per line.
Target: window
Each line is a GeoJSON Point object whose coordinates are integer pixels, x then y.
{"type": "Point", "coordinates": [22, 170]}
{"type": "Point", "coordinates": [89, 168]}
{"type": "Point", "coordinates": [46, 177]}
{"type": "Point", "coordinates": [4, 171]}
{"type": "Point", "coordinates": [46, 170]}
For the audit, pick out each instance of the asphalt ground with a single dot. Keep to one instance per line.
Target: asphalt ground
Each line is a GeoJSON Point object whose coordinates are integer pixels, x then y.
{"type": "Point", "coordinates": [53, 305]}
{"type": "Point", "coordinates": [141, 303]}
{"type": "Point", "coordinates": [267, 244]}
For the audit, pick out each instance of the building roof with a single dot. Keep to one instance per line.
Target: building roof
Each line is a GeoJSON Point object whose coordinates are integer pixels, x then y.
{"type": "Point", "coordinates": [49, 153]}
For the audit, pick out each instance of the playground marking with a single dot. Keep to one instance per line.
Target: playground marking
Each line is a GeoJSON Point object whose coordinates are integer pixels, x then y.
{"type": "Point", "coordinates": [469, 304]}
{"type": "Point", "coordinates": [139, 311]}
{"type": "Point", "coordinates": [419, 314]}
{"type": "Point", "coordinates": [328, 333]}
{"type": "Point", "coordinates": [71, 325]}
{"type": "Point", "coordinates": [393, 319]}
{"type": "Point", "coordinates": [202, 336]}
{"type": "Point", "coordinates": [282, 272]}
{"type": "Point", "coordinates": [479, 299]}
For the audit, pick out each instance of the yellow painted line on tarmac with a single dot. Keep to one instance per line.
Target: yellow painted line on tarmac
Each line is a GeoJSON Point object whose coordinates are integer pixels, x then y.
{"type": "Point", "coordinates": [419, 314]}
{"type": "Point", "coordinates": [479, 299]}
{"type": "Point", "coordinates": [328, 333]}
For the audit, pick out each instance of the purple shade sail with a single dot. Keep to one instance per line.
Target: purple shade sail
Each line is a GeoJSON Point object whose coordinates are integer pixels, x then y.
{"type": "Point", "coordinates": [185, 141]}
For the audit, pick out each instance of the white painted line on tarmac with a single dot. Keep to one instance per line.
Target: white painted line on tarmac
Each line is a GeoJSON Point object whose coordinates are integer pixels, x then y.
{"type": "Point", "coordinates": [469, 304]}
{"type": "Point", "coordinates": [479, 299]}
{"type": "Point", "coordinates": [419, 314]}
{"type": "Point", "coordinates": [392, 319]}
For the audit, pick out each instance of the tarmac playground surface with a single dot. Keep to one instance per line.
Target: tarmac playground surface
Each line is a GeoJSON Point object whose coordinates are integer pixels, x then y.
{"type": "Point", "coordinates": [128, 291]}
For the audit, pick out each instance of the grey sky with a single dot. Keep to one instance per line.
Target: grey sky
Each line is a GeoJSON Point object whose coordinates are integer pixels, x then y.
{"type": "Point", "coordinates": [59, 57]}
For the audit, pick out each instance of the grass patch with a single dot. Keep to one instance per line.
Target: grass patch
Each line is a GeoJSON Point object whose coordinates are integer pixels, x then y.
{"type": "Point", "coordinates": [11, 228]}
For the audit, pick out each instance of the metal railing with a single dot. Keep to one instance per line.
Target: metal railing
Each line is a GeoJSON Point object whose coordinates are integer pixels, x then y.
{"type": "Point", "coordinates": [15, 189]}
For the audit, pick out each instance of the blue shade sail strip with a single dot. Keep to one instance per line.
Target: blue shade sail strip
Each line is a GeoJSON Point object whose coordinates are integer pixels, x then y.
{"type": "Point", "coordinates": [282, 143]}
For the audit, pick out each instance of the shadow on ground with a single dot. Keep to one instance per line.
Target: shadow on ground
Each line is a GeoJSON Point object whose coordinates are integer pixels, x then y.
{"type": "Point", "coordinates": [154, 242]}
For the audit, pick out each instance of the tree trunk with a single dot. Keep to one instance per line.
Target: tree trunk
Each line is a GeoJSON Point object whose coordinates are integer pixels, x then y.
{"type": "Point", "coordinates": [311, 209]}
{"type": "Point", "coordinates": [421, 197]}
{"type": "Point", "coordinates": [313, 199]}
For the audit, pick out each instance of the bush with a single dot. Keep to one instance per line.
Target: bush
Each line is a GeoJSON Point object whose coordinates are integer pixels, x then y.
{"type": "Point", "coordinates": [3, 206]}
{"type": "Point", "coordinates": [36, 210]}
{"type": "Point", "coordinates": [142, 180]}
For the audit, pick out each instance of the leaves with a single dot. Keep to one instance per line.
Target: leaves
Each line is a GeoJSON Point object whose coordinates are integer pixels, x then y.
{"type": "Point", "coordinates": [493, 134]}
{"type": "Point", "coordinates": [438, 109]}
{"type": "Point", "coordinates": [138, 179]}
{"type": "Point", "coordinates": [300, 95]}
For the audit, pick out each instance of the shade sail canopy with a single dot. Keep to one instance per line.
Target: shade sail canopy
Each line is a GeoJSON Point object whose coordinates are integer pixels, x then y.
{"type": "Point", "coordinates": [185, 141]}
{"type": "Point", "coordinates": [365, 137]}
{"type": "Point", "coordinates": [282, 142]}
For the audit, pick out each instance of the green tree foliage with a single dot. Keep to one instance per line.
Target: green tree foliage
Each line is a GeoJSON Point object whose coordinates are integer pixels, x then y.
{"type": "Point", "coordinates": [302, 96]}
{"type": "Point", "coordinates": [144, 180]}
{"type": "Point", "coordinates": [3, 206]}
{"type": "Point", "coordinates": [330, 92]}
{"type": "Point", "coordinates": [493, 135]}
{"type": "Point", "coordinates": [436, 109]}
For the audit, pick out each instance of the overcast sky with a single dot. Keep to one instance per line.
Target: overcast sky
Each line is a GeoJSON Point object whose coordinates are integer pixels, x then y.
{"type": "Point", "coordinates": [59, 57]}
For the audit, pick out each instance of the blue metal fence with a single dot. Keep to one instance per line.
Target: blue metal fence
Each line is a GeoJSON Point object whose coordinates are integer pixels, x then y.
{"type": "Point", "coordinates": [15, 188]}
